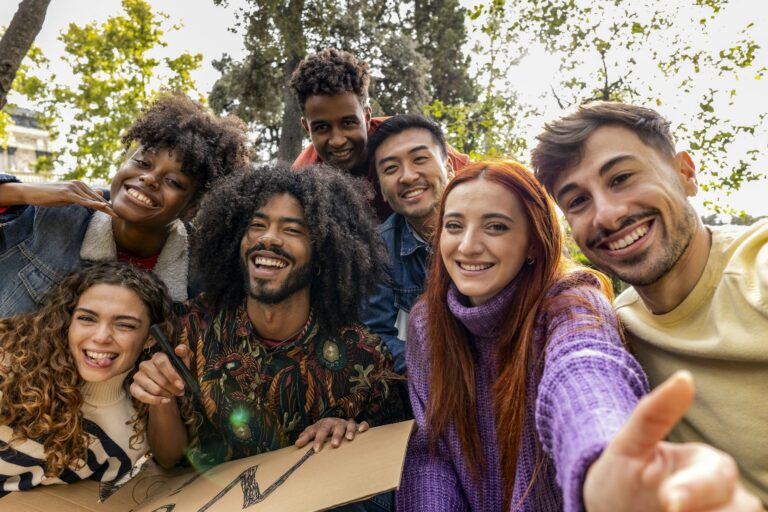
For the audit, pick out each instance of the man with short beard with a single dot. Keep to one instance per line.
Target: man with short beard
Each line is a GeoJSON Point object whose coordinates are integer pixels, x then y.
{"type": "Point", "coordinates": [331, 88]}
{"type": "Point", "coordinates": [284, 259]}
{"type": "Point", "coordinates": [410, 157]}
{"type": "Point", "coordinates": [699, 299]}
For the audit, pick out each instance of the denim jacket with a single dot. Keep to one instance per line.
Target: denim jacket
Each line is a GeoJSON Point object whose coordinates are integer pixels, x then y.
{"type": "Point", "coordinates": [386, 310]}
{"type": "Point", "coordinates": [38, 247]}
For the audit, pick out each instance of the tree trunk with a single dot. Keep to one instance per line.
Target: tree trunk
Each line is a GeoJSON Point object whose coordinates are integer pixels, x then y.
{"type": "Point", "coordinates": [17, 40]}
{"type": "Point", "coordinates": [295, 44]}
{"type": "Point", "coordinates": [291, 132]}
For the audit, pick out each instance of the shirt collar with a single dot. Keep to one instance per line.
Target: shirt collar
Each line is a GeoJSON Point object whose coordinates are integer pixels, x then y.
{"type": "Point", "coordinates": [244, 327]}
{"type": "Point", "coordinates": [410, 241]}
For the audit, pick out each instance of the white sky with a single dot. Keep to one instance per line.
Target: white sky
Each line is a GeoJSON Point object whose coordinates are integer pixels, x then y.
{"type": "Point", "coordinates": [205, 30]}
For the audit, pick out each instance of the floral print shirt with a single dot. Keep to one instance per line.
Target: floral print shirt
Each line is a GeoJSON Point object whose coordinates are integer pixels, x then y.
{"type": "Point", "coordinates": [259, 395]}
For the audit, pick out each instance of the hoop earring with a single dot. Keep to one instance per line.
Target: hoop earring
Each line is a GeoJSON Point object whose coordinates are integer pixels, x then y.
{"type": "Point", "coordinates": [530, 260]}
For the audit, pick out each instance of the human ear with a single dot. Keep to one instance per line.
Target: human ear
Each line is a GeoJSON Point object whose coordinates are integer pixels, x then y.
{"type": "Point", "coordinates": [305, 125]}
{"type": "Point", "coordinates": [367, 115]}
{"type": "Point", "coordinates": [149, 343]}
{"type": "Point", "coordinates": [687, 169]}
{"type": "Point", "coordinates": [449, 169]}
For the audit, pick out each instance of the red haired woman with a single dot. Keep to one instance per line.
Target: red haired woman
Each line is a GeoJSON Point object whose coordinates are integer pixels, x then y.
{"type": "Point", "coordinates": [519, 379]}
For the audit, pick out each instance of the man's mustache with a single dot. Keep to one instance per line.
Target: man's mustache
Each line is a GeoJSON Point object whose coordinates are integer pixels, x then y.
{"type": "Point", "coordinates": [628, 221]}
{"type": "Point", "coordinates": [275, 250]}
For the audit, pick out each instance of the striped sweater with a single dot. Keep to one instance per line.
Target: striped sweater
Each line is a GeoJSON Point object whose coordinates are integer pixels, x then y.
{"type": "Point", "coordinates": [106, 410]}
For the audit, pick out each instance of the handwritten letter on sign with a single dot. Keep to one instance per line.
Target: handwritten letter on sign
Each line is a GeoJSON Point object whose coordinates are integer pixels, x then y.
{"type": "Point", "coordinates": [288, 479]}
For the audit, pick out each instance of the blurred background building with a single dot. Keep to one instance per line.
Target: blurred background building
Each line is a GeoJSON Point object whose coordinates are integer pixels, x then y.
{"type": "Point", "coordinates": [26, 143]}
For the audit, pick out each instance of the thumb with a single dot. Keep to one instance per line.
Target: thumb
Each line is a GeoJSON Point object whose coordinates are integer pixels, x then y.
{"type": "Point", "coordinates": [184, 353]}
{"type": "Point", "coordinates": [655, 415]}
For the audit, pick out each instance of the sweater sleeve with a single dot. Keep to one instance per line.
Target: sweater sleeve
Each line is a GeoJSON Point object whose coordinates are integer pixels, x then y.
{"type": "Point", "coordinates": [9, 213]}
{"type": "Point", "coordinates": [589, 384]}
{"type": "Point", "coordinates": [429, 482]}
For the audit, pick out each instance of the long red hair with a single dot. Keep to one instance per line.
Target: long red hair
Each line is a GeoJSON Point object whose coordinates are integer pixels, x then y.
{"type": "Point", "coordinates": [452, 397]}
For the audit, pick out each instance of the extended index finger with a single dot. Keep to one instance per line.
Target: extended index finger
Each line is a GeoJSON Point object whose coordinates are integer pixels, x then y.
{"type": "Point", "coordinates": [655, 415]}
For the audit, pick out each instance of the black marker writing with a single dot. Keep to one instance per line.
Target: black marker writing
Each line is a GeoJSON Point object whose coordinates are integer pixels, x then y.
{"type": "Point", "coordinates": [250, 487]}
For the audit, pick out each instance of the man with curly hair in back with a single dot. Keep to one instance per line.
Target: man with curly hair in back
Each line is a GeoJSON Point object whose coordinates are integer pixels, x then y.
{"type": "Point", "coordinates": [174, 149]}
{"type": "Point", "coordinates": [331, 87]}
{"type": "Point", "coordinates": [284, 260]}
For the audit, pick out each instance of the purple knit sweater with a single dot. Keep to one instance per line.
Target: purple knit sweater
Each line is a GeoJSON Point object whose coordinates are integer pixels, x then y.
{"type": "Point", "coordinates": [587, 389]}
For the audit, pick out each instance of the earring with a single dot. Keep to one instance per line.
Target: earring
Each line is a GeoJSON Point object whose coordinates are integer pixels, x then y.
{"type": "Point", "coordinates": [530, 260]}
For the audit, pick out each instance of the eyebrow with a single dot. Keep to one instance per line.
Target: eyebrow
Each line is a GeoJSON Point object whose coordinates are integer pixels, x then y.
{"type": "Point", "coordinates": [119, 317]}
{"type": "Point", "coordinates": [603, 169]}
{"type": "Point", "coordinates": [294, 220]}
{"type": "Point", "coordinates": [494, 215]}
{"type": "Point", "coordinates": [414, 149]}
{"type": "Point", "coordinates": [326, 121]}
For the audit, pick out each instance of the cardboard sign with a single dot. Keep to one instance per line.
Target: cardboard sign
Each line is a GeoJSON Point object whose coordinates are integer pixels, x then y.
{"type": "Point", "coordinates": [288, 479]}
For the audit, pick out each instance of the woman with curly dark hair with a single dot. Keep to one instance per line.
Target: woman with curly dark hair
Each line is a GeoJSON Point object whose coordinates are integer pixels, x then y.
{"type": "Point", "coordinates": [175, 150]}
{"type": "Point", "coordinates": [65, 413]}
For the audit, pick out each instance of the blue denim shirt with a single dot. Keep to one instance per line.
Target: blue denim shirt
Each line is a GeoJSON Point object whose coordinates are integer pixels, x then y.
{"type": "Point", "coordinates": [38, 247]}
{"type": "Point", "coordinates": [388, 306]}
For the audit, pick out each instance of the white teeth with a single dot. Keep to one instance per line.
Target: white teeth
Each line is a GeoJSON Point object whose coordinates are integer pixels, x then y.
{"type": "Point", "coordinates": [100, 355]}
{"type": "Point", "coordinates": [469, 266]}
{"type": "Point", "coordinates": [141, 197]}
{"type": "Point", "coordinates": [413, 192]}
{"type": "Point", "coordinates": [629, 239]}
{"type": "Point", "coordinates": [269, 262]}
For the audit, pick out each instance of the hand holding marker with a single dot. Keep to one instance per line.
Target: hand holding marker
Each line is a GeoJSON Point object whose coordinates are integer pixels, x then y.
{"type": "Point", "coordinates": [191, 387]}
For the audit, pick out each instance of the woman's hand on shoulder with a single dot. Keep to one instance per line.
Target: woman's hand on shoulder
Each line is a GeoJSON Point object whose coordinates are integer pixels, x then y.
{"type": "Point", "coordinates": [638, 471]}
{"type": "Point", "coordinates": [57, 194]}
{"type": "Point", "coordinates": [157, 382]}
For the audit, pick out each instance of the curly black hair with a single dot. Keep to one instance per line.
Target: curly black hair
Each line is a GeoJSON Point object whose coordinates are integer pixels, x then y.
{"type": "Point", "coordinates": [330, 71]}
{"type": "Point", "coordinates": [209, 146]}
{"type": "Point", "coordinates": [347, 254]}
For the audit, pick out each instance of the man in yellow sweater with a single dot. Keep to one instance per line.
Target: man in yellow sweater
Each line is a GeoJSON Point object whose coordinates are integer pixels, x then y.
{"type": "Point", "coordinates": [699, 298]}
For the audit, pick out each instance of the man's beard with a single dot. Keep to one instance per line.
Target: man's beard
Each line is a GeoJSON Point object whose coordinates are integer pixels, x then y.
{"type": "Point", "coordinates": [298, 279]}
{"type": "Point", "coordinates": [674, 246]}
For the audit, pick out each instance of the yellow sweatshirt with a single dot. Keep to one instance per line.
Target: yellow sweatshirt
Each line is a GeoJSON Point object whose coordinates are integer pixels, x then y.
{"type": "Point", "coordinates": [719, 333]}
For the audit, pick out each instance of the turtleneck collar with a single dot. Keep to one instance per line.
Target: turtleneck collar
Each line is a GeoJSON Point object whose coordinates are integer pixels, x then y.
{"type": "Point", "coordinates": [482, 321]}
{"type": "Point", "coordinates": [105, 393]}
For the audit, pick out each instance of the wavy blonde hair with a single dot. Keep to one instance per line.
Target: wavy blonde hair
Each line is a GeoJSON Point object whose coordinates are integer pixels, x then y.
{"type": "Point", "coordinates": [39, 382]}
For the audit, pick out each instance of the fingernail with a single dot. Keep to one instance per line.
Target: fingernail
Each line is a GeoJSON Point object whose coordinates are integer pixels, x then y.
{"type": "Point", "coordinates": [166, 400]}
{"type": "Point", "coordinates": [179, 384]}
{"type": "Point", "coordinates": [316, 447]}
{"type": "Point", "coordinates": [335, 443]}
{"type": "Point", "coordinates": [676, 500]}
{"type": "Point", "coordinates": [350, 436]}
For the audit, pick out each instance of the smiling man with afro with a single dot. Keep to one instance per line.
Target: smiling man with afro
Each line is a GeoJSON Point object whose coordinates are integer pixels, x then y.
{"type": "Point", "coordinates": [274, 340]}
